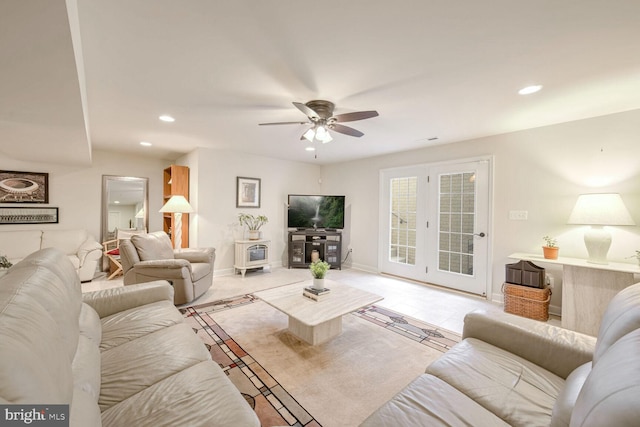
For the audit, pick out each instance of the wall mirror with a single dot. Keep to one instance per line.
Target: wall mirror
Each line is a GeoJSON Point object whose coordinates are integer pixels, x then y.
{"type": "Point", "coordinates": [125, 204]}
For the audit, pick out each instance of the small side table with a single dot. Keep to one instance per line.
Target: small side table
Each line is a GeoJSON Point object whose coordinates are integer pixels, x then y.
{"type": "Point", "coordinates": [251, 254]}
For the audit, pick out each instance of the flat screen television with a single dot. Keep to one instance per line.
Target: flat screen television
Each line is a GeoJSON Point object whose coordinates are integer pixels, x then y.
{"type": "Point", "coordinates": [315, 211]}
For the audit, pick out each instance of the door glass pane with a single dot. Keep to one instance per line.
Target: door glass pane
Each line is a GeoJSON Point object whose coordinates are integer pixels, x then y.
{"type": "Point", "coordinates": [456, 208]}
{"type": "Point", "coordinates": [402, 231]}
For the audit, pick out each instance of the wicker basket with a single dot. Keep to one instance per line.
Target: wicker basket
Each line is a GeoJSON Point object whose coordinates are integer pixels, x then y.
{"type": "Point", "coordinates": [526, 301]}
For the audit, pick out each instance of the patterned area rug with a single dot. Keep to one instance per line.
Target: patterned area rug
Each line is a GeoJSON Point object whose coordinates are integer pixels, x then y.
{"type": "Point", "coordinates": [271, 402]}
{"type": "Point", "coordinates": [417, 330]}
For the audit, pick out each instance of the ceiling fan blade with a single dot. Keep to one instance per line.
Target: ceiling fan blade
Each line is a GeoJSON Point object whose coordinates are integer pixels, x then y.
{"type": "Point", "coordinates": [306, 110]}
{"type": "Point", "coordinates": [346, 130]}
{"type": "Point", "coordinates": [283, 123]}
{"type": "Point", "coordinates": [352, 117]}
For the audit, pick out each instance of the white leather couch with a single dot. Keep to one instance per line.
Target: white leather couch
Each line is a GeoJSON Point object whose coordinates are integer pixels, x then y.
{"type": "Point", "coordinates": [82, 249]}
{"type": "Point", "coordinates": [513, 371]}
{"type": "Point", "coordinates": [119, 357]}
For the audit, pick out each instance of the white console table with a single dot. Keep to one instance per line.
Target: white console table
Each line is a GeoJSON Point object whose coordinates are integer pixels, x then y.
{"type": "Point", "coordinates": [586, 288]}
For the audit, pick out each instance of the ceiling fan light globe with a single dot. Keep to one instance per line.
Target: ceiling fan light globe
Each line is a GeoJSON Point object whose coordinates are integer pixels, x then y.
{"type": "Point", "coordinates": [321, 133]}
{"type": "Point", "coordinates": [327, 138]}
{"type": "Point", "coordinates": [308, 135]}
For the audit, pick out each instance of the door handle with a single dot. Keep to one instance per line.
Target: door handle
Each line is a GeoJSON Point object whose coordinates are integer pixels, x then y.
{"type": "Point", "coordinates": [481, 234]}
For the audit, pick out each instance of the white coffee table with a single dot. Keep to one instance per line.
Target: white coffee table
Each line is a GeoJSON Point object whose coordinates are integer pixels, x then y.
{"type": "Point", "coordinates": [316, 322]}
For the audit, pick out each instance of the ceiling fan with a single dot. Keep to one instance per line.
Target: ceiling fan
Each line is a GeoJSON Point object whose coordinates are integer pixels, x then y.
{"type": "Point", "coordinates": [322, 120]}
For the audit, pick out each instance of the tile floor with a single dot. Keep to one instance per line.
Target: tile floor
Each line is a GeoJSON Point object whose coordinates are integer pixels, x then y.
{"type": "Point", "coordinates": [440, 306]}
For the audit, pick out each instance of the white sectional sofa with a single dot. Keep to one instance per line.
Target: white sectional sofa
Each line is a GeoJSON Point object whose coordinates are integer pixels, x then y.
{"type": "Point", "coordinates": [82, 249]}
{"type": "Point", "coordinates": [119, 357]}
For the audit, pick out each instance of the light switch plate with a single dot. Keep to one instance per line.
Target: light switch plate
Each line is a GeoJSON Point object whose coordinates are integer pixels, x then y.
{"type": "Point", "coordinates": [519, 215]}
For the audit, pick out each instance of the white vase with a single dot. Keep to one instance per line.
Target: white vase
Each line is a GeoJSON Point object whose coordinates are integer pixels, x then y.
{"type": "Point", "coordinates": [318, 283]}
{"type": "Point", "coordinates": [254, 234]}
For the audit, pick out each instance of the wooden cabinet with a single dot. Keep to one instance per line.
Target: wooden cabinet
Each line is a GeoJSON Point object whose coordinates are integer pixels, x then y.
{"type": "Point", "coordinates": [175, 182]}
{"type": "Point", "coordinates": [303, 243]}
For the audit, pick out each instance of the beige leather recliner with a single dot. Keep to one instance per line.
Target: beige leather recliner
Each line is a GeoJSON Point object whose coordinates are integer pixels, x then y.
{"type": "Point", "coordinates": [150, 257]}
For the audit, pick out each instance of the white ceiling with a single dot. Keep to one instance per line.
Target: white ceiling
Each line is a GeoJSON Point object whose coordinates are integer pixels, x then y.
{"type": "Point", "coordinates": [431, 68]}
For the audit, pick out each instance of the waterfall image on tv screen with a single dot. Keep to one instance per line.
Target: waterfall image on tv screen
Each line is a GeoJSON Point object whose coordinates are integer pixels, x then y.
{"type": "Point", "coordinates": [315, 211]}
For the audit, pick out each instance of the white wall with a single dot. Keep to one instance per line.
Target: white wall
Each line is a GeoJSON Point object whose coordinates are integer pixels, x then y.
{"type": "Point", "coordinates": [213, 176]}
{"type": "Point", "coordinates": [540, 170]}
{"type": "Point", "coordinates": [77, 190]}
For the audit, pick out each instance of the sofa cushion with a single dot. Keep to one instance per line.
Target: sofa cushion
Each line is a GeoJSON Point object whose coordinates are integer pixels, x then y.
{"type": "Point", "coordinates": [152, 246]}
{"type": "Point", "coordinates": [18, 244]}
{"type": "Point", "coordinates": [135, 365]}
{"type": "Point", "coordinates": [35, 363]}
{"type": "Point", "coordinates": [75, 261]}
{"type": "Point", "coordinates": [90, 325]}
{"type": "Point", "coordinates": [516, 390]}
{"type": "Point", "coordinates": [206, 398]}
{"type": "Point", "coordinates": [199, 270]}
{"type": "Point", "coordinates": [84, 410]}
{"type": "Point", "coordinates": [609, 396]}
{"type": "Point", "coordinates": [130, 324]}
{"type": "Point", "coordinates": [51, 281]}
{"type": "Point", "coordinates": [86, 367]}
{"type": "Point", "coordinates": [621, 317]}
{"type": "Point", "coordinates": [563, 407]}
{"type": "Point", "coordinates": [68, 241]}
{"type": "Point", "coordinates": [429, 401]}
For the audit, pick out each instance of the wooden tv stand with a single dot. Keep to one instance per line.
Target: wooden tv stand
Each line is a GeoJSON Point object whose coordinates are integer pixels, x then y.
{"type": "Point", "coordinates": [303, 242]}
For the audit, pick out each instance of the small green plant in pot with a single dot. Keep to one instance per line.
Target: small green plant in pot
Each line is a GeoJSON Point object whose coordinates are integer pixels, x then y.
{"type": "Point", "coordinates": [253, 223]}
{"type": "Point", "coordinates": [550, 250]}
{"type": "Point", "coordinates": [319, 271]}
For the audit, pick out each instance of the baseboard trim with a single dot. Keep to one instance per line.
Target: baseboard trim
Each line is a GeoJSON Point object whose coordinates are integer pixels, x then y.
{"type": "Point", "coordinates": [232, 271]}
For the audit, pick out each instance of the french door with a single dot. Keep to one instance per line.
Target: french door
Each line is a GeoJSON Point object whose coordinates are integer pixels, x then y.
{"type": "Point", "coordinates": [434, 224]}
{"type": "Point", "coordinates": [403, 215]}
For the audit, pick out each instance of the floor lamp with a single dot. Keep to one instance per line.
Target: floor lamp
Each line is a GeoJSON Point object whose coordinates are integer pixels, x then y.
{"type": "Point", "coordinates": [598, 210]}
{"type": "Point", "coordinates": [177, 205]}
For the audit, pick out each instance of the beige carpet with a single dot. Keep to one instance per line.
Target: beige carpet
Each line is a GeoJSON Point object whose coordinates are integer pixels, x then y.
{"type": "Point", "coordinates": [254, 281]}
{"type": "Point", "coordinates": [340, 382]}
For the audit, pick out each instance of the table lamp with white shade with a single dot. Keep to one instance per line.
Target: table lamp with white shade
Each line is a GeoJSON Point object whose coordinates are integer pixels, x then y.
{"type": "Point", "coordinates": [598, 210]}
{"type": "Point", "coordinates": [177, 205]}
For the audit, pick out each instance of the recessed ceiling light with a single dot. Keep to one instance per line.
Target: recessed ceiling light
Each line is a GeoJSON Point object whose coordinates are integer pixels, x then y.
{"type": "Point", "coordinates": [166, 118]}
{"type": "Point", "coordinates": [310, 149]}
{"type": "Point", "coordinates": [117, 202]}
{"type": "Point", "coordinates": [529, 89]}
{"type": "Point", "coordinates": [145, 144]}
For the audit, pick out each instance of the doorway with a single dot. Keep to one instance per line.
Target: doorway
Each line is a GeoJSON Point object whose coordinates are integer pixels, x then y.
{"type": "Point", "coordinates": [434, 224]}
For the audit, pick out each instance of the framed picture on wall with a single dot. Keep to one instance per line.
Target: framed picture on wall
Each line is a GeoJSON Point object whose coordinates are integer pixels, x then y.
{"type": "Point", "coordinates": [24, 187]}
{"type": "Point", "coordinates": [247, 192]}
{"type": "Point", "coordinates": [28, 215]}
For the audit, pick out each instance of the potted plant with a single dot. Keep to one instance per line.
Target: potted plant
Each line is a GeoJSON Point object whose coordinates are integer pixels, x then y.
{"type": "Point", "coordinates": [253, 223]}
{"type": "Point", "coordinates": [550, 250]}
{"type": "Point", "coordinates": [637, 257]}
{"type": "Point", "coordinates": [318, 271]}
